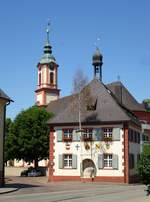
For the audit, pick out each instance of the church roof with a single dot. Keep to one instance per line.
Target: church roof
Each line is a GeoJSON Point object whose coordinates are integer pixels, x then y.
{"type": "Point", "coordinates": [124, 97]}
{"type": "Point", "coordinates": [98, 105]}
{"type": "Point", "coordinates": [4, 96]}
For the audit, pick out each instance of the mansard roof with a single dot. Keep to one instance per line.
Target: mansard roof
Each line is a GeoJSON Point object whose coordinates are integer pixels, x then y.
{"type": "Point", "coordinates": [98, 105]}
{"type": "Point", "coordinates": [124, 97]}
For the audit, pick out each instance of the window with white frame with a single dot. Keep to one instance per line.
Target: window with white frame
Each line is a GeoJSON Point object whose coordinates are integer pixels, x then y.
{"type": "Point", "coordinates": [87, 134]}
{"type": "Point", "coordinates": [107, 133]}
{"type": "Point", "coordinates": [67, 134]}
{"type": "Point", "coordinates": [67, 160]}
{"type": "Point", "coordinates": [107, 160]}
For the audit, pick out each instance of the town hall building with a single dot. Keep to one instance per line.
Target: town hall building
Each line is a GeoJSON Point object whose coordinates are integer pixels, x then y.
{"type": "Point", "coordinates": [95, 135]}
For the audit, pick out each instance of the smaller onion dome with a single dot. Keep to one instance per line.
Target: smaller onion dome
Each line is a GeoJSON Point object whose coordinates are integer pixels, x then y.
{"type": "Point", "coordinates": [97, 58]}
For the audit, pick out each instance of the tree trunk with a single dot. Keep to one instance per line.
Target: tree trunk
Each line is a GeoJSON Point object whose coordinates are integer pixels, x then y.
{"type": "Point", "coordinates": [35, 163]}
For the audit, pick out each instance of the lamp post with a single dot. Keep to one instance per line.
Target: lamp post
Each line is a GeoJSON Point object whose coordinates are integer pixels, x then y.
{"type": "Point", "coordinates": [80, 135]}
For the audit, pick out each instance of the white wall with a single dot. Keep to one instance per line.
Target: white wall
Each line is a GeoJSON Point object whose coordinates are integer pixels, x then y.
{"type": "Point", "coordinates": [116, 147]}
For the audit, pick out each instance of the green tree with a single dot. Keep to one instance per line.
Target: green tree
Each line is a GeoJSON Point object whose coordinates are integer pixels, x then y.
{"type": "Point", "coordinates": [8, 126]}
{"type": "Point", "coordinates": [28, 138]}
{"type": "Point", "coordinates": [144, 164]}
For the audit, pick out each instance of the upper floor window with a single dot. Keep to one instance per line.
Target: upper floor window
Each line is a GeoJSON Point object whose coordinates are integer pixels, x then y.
{"type": "Point", "coordinates": [107, 160]}
{"type": "Point", "coordinates": [134, 136]}
{"type": "Point", "coordinates": [107, 133]}
{"type": "Point", "coordinates": [87, 134]}
{"type": "Point", "coordinates": [51, 78]}
{"type": "Point", "coordinates": [67, 134]}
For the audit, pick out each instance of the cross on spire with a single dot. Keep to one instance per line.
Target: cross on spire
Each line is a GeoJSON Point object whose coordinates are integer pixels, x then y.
{"type": "Point", "coordinates": [47, 31]}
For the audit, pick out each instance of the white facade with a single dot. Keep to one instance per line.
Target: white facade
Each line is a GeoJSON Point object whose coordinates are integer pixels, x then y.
{"type": "Point", "coordinates": [97, 148]}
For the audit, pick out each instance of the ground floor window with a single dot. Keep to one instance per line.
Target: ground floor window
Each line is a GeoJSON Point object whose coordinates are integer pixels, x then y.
{"type": "Point", "coordinates": [107, 160]}
{"type": "Point", "coordinates": [67, 160]}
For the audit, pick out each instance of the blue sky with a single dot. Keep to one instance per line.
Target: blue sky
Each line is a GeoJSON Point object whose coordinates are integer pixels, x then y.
{"type": "Point", "coordinates": [122, 25]}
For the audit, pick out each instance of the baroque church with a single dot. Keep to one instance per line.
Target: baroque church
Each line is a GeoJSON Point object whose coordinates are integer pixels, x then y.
{"type": "Point", "coordinates": [95, 135]}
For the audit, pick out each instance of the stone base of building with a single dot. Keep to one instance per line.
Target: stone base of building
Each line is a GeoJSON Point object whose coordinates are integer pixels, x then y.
{"type": "Point", "coordinates": [63, 178]}
{"type": "Point", "coordinates": [117, 179]}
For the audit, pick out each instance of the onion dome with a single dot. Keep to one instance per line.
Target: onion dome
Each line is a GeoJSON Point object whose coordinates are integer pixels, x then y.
{"type": "Point", "coordinates": [97, 58]}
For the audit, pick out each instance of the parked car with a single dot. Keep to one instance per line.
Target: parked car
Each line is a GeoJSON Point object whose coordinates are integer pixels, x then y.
{"type": "Point", "coordinates": [34, 173]}
{"type": "Point", "coordinates": [31, 172]}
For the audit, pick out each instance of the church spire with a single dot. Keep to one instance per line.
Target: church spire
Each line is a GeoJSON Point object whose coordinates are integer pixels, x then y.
{"type": "Point", "coordinates": [47, 32]}
{"type": "Point", "coordinates": [47, 47]}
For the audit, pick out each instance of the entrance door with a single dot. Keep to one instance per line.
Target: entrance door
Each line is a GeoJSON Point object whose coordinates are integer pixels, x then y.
{"type": "Point", "coordinates": [89, 169]}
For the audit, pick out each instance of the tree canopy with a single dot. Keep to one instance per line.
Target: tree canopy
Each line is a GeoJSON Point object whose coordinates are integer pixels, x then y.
{"type": "Point", "coordinates": [28, 136]}
{"type": "Point", "coordinates": [144, 164]}
{"type": "Point", "coordinates": [80, 80]}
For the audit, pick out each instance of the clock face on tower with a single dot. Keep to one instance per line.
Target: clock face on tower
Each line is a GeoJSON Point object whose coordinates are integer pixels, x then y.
{"type": "Point", "coordinates": [51, 66]}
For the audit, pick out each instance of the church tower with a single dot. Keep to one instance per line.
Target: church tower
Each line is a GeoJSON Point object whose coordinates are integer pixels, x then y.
{"type": "Point", "coordinates": [47, 89]}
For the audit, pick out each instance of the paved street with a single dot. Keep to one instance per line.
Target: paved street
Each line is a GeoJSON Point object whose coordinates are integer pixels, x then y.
{"type": "Point", "coordinates": [37, 190]}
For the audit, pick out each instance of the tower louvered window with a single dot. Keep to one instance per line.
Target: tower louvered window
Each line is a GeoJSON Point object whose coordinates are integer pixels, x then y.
{"type": "Point", "coordinates": [51, 78]}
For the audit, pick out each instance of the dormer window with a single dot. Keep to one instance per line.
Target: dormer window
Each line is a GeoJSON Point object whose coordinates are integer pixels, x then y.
{"type": "Point", "coordinates": [92, 106]}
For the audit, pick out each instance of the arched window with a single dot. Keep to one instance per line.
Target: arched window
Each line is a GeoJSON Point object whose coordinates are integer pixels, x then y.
{"type": "Point", "coordinates": [39, 79]}
{"type": "Point", "coordinates": [51, 78]}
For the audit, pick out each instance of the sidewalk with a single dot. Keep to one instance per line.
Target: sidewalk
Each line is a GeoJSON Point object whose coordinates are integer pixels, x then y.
{"type": "Point", "coordinates": [5, 190]}
{"type": "Point", "coordinates": [8, 187]}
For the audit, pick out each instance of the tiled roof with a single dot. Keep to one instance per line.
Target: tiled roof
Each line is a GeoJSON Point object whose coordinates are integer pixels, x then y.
{"type": "Point", "coordinates": [107, 108]}
{"type": "Point", "coordinates": [124, 97]}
